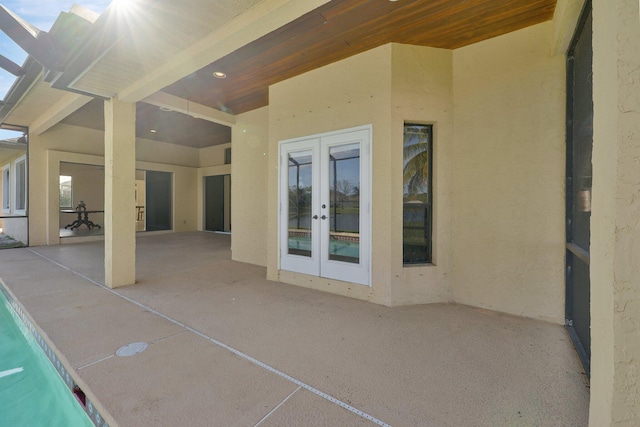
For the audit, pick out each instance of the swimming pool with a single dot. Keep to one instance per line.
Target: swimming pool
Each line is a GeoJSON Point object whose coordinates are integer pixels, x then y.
{"type": "Point", "coordinates": [32, 393]}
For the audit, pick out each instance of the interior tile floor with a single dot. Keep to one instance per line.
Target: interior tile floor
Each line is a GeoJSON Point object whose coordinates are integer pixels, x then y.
{"type": "Point", "coordinates": [226, 347]}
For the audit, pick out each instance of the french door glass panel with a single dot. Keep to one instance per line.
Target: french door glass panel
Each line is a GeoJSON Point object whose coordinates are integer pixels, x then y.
{"type": "Point", "coordinates": [344, 203]}
{"type": "Point", "coordinates": [300, 189]}
{"type": "Point", "coordinates": [324, 198]}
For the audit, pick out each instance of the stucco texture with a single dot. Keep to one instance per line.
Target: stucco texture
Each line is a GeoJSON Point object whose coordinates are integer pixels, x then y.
{"type": "Point", "coordinates": [508, 191]}
{"type": "Point", "coordinates": [73, 144]}
{"type": "Point", "coordinates": [615, 219]}
{"type": "Point", "coordinates": [346, 94]}
{"type": "Point", "coordinates": [249, 166]}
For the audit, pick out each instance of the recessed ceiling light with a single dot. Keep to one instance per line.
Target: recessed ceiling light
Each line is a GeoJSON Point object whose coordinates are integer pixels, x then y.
{"type": "Point", "coordinates": [166, 109]}
{"type": "Point", "coordinates": [219, 75]}
{"type": "Point", "coordinates": [153, 131]}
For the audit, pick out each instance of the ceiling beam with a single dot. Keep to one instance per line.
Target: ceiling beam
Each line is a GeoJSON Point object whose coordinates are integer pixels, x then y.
{"type": "Point", "coordinates": [256, 22]}
{"type": "Point", "coordinates": [35, 42]}
{"type": "Point", "coordinates": [68, 103]}
{"type": "Point", "coordinates": [11, 66]}
{"type": "Point", "coordinates": [184, 106]}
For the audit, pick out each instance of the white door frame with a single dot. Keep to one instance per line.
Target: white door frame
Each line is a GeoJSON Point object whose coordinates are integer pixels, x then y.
{"type": "Point", "coordinates": [319, 264]}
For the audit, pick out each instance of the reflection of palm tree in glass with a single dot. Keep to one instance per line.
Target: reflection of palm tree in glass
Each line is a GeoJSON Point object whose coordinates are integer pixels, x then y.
{"type": "Point", "coordinates": [416, 160]}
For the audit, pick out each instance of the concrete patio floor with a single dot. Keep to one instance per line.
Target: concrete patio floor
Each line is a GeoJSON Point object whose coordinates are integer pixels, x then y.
{"type": "Point", "coordinates": [229, 348]}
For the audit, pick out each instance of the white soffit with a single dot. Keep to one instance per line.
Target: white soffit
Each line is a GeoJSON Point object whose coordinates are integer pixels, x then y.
{"type": "Point", "coordinates": [157, 34]}
{"type": "Point", "coordinates": [34, 103]}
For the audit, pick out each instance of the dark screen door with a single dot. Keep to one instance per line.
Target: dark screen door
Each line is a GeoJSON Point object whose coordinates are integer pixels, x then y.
{"type": "Point", "coordinates": [159, 201]}
{"type": "Point", "coordinates": [217, 203]}
{"type": "Point", "coordinates": [578, 187]}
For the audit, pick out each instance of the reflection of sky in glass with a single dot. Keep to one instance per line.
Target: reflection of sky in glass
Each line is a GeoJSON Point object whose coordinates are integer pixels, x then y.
{"type": "Point", "coordinates": [346, 160]}
{"type": "Point", "coordinates": [300, 170]}
{"type": "Point", "coordinates": [346, 157]}
{"type": "Point", "coordinates": [414, 135]}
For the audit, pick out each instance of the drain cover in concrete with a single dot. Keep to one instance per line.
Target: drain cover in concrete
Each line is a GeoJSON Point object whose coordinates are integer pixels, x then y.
{"type": "Point", "coordinates": [131, 349]}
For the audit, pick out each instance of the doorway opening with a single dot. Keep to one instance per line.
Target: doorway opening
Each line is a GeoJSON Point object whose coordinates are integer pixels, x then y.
{"type": "Point", "coordinates": [325, 215]}
{"type": "Point", "coordinates": [578, 187]}
{"type": "Point", "coordinates": [217, 203]}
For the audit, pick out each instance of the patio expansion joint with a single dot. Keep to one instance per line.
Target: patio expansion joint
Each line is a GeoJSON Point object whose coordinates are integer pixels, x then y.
{"type": "Point", "coordinates": [277, 407]}
{"type": "Point", "coordinates": [235, 351]}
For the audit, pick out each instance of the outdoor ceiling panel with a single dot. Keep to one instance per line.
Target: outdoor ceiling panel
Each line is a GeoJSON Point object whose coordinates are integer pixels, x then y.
{"type": "Point", "coordinates": [342, 28]}
{"type": "Point", "coordinates": [157, 125]}
{"type": "Point", "coordinates": [40, 98]}
{"type": "Point", "coordinates": [152, 37]}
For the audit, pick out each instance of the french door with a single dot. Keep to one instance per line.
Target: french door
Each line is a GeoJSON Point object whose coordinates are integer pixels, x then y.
{"type": "Point", "coordinates": [325, 205]}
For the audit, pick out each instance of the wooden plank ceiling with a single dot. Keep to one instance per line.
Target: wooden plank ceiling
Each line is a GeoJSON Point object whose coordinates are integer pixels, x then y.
{"type": "Point", "coordinates": [342, 28]}
{"type": "Point", "coordinates": [334, 31]}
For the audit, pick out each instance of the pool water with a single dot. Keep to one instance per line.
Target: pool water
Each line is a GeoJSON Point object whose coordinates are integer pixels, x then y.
{"type": "Point", "coordinates": [32, 393]}
{"type": "Point", "coordinates": [336, 247]}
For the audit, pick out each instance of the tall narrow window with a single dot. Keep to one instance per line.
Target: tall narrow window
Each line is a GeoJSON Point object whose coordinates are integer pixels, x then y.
{"type": "Point", "coordinates": [6, 189]}
{"type": "Point", "coordinates": [66, 191]}
{"type": "Point", "coordinates": [21, 185]}
{"type": "Point", "coordinates": [417, 193]}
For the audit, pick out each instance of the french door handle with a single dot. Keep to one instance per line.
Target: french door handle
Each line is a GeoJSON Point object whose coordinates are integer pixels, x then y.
{"type": "Point", "coordinates": [315, 217]}
{"type": "Point", "coordinates": [323, 217]}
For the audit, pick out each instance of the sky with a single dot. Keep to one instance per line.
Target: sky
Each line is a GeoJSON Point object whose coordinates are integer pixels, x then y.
{"type": "Point", "coordinates": [41, 14]}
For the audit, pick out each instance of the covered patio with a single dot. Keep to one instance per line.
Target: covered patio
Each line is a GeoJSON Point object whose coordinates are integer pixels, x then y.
{"type": "Point", "coordinates": [228, 347]}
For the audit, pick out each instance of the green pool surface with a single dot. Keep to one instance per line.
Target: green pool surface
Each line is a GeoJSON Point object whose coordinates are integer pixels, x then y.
{"type": "Point", "coordinates": [32, 393]}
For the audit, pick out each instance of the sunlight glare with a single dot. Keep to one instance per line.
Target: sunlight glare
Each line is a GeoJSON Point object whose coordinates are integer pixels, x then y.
{"type": "Point", "coordinates": [124, 6]}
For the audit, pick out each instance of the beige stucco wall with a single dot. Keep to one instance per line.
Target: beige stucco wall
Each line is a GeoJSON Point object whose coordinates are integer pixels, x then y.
{"type": "Point", "coordinates": [212, 156]}
{"type": "Point", "coordinates": [85, 146]}
{"type": "Point", "coordinates": [249, 189]}
{"type": "Point", "coordinates": [508, 191]}
{"type": "Point", "coordinates": [346, 94]}
{"type": "Point", "coordinates": [421, 92]}
{"type": "Point", "coordinates": [383, 87]}
{"type": "Point", "coordinates": [14, 227]}
{"type": "Point", "coordinates": [615, 216]}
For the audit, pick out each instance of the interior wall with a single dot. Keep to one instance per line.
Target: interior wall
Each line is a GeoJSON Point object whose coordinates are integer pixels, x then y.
{"type": "Point", "coordinates": [87, 184]}
{"type": "Point", "coordinates": [508, 187]}
{"type": "Point", "coordinates": [72, 144]}
{"type": "Point", "coordinates": [249, 189]}
{"type": "Point", "coordinates": [346, 94]}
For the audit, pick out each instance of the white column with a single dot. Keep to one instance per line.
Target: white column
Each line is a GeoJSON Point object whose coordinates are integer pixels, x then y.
{"type": "Point", "coordinates": [119, 193]}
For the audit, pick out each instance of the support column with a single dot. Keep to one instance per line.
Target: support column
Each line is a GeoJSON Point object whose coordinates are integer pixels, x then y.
{"type": "Point", "coordinates": [119, 193]}
{"type": "Point", "coordinates": [615, 218]}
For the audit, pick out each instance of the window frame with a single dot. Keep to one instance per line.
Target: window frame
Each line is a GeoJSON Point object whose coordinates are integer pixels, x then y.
{"type": "Point", "coordinates": [6, 189]}
{"type": "Point", "coordinates": [416, 205]}
{"type": "Point", "coordinates": [70, 206]}
{"type": "Point", "coordinates": [19, 210]}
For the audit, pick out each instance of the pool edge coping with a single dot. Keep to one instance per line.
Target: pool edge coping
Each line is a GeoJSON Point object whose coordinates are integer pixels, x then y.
{"type": "Point", "coordinates": [96, 412]}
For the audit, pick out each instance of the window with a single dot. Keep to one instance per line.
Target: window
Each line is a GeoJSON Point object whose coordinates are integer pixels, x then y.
{"type": "Point", "coordinates": [66, 193]}
{"type": "Point", "coordinates": [227, 156]}
{"type": "Point", "coordinates": [6, 189]}
{"type": "Point", "coordinates": [417, 193]}
{"type": "Point", "coordinates": [21, 185]}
